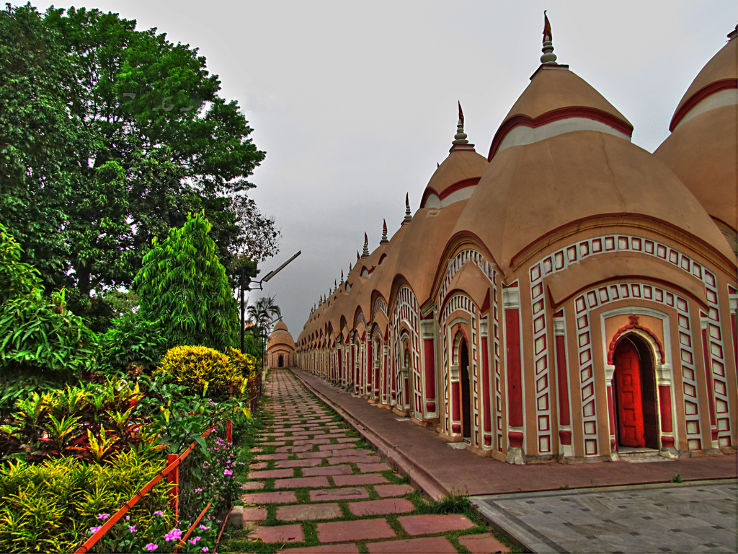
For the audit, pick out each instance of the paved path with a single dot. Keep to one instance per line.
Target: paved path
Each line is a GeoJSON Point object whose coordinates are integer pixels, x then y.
{"type": "Point", "coordinates": [421, 452]}
{"type": "Point", "coordinates": [585, 507]}
{"type": "Point", "coordinates": [315, 486]}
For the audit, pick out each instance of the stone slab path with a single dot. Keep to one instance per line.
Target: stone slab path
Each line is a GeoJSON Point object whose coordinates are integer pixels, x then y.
{"type": "Point", "coordinates": [694, 517]}
{"type": "Point", "coordinates": [315, 486]}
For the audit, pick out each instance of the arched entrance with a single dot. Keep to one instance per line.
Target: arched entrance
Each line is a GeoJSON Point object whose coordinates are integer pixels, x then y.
{"type": "Point", "coordinates": [466, 415]}
{"type": "Point", "coordinates": [280, 362]}
{"type": "Point", "coordinates": [634, 394]}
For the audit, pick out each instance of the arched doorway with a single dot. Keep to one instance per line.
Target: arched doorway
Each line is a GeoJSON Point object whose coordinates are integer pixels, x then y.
{"type": "Point", "coordinates": [634, 394]}
{"type": "Point", "coordinates": [280, 362]}
{"type": "Point", "coordinates": [466, 415]}
{"type": "Point", "coordinates": [407, 381]}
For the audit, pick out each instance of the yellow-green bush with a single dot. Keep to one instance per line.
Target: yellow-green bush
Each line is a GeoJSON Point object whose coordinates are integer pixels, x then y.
{"type": "Point", "coordinates": [198, 366]}
{"type": "Point", "coordinates": [50, 507]}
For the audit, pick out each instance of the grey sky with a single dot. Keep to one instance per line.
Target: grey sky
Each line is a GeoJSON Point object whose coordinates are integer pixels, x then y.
{"type": "Point", "coordinates": [354, 103]}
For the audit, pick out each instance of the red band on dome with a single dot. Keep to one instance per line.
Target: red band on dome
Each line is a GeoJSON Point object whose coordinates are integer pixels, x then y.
{"type": "Point", "coordinates": [699, 96]}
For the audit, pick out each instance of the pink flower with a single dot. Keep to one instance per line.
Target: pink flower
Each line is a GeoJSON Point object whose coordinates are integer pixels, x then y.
{"type": "Point", "coordinates": [194, 541]}
{"type": "Point", "coordinates": [159, 513]}
{"type": "Point", "coordinates": [198, 490]}
{"type": "Point", "coordinates": [152, 546]}
{"type": "Point", "coordinates": [94, 530]}
{"type": "Point", "coordinates": [227, 472]}
{"type": "Point", "coordinates": [205, 549]}
{"type": "Point", "coordinates": [103, 516]}
{"type": "Point", "coordinates": [203, 527]}
{"type": "Point", "coordinates": [132, 528]}
{"type": "Point", "coordinates": [173, 535]}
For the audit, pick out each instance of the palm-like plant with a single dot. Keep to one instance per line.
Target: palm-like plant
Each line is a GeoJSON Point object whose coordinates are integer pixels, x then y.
{"type": "Point", "coordinates": [264, 314]}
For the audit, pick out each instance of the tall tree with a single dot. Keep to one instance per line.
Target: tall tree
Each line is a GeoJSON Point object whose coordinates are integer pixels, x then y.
{"type": "Point", "coordinates": [112, 135]}
{"type": "Point", "coordinates": [184, 286]}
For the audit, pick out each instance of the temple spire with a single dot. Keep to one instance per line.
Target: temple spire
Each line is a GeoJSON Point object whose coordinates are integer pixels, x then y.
{"type": "Point", "coordinates": [365, 251]}
{"type": "Point", "coordinates": [408, 215]}
{"type": "Point", "coordinates": [548, 58]}
{"type": "Point", "coordinates": [460, 142]}
{"type": "Point", "coordinates": [384, 232]}
{"type": "Point", "coordinates": [342, 276]}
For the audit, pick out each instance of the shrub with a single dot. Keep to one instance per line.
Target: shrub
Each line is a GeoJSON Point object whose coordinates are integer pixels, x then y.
{"type": "Point", "coordinates": [183, 285]}
{"type": "Point", "coordinates": [16, 278]}
{"type": "Point", "coordinates": [199, 367]}
{"type": "Point", "coordinates": [132, 343]}
{"type": "Point", "coordinates": [50, 507]}
{"type": "Point", "coordinates": [38, 334]}
{"type": "Point", "coordinates": [90, 421]}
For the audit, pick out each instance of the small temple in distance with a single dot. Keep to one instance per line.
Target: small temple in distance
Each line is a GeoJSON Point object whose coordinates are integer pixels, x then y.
{"type": "Point", "coordinates": [568, 297]}
{"type": "Point", "coordinates": [280, 348]}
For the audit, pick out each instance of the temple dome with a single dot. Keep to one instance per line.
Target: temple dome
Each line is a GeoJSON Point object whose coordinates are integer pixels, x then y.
{"type": "Point", "coordinates": [454, 179]}
{"type": "Point", "coordinates": [703, 149]}
{"type": "Point", "coordinates": [557, 101]}
{"type": "Point", "coordinates": [280, 335]}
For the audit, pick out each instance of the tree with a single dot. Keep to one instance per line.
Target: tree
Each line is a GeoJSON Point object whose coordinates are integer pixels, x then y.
{"type": "Point", "coordinates": [264, 313]}
{"type": "Point", "coordinates": [108, 137]}
{"type": "Point", "coordinates": [184, 286]}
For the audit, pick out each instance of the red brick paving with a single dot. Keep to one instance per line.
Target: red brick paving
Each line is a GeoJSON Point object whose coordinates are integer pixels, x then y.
{"type": "Point", "coordinates": [278, 533]}
{"type": "Point", "coordinates": [485, 542]}
{"type": "Point", "coordinates": [392, 490]}
{"type": "Point", "coordinates": [368, 479]}
{"type": "Point", "coordinates": [319, 456]}
{"type": "Point", "coordinates": [381, 507]}
{"type": "Point", "coordinates": [361, 529]}
{"type": "Point", "coordinates": [425, 545]}
{"type": "Point", "coordinates": [301, 512]}
{"type": "Point", "coordinates": [349, 493]}
{"type": "Point", "coordinates": [301, 482]}
{"type": "Point", "coordinates": [434, 523]}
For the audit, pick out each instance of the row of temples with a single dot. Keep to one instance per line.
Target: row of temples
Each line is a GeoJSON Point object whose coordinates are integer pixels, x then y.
{"type": "Point", "coordinates": [570, 296]}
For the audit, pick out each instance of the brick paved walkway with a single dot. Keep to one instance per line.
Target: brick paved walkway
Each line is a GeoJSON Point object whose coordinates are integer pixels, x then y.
{"type": "Point", "coordinates": [315, 486]}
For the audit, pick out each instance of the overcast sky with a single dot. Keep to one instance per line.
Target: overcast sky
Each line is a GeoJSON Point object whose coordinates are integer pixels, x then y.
{"type": "Point", "coordinates": [355, 103]}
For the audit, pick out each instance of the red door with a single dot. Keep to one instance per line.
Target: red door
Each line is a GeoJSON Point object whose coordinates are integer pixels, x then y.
{"type": "Point", "coordinates": [629, 399]}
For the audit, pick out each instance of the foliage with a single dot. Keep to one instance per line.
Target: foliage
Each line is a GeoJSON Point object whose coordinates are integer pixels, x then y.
{"type": "Point", "coordinates": [133, 343]}
{"type": "Point", "coordinates": [264, 313]}
{"type": "Point", "coordinates": [15, 385]}
{"type": "Point", "coordinates": [38, 334]}
{"type": "Point", "coordinates": [90, 421]}
{"type": "Point", "coordinates": [184, 286]}
{"type": "Point", "coordinates": [198, 367]}
{"type": "Point", "coordinates": [16, 278]}
{"type": "Point", "coordinates": [50, 507]}
{"type": "Point", "coordinates": [108, 136]}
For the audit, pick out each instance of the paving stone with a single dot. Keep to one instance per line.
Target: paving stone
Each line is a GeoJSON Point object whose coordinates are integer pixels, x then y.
{"type": "Point", "coordinates": [327, 470]}
{"type": "Point", "coordinates": [259, 465]}
{"type": "Point", "coordinates": [348, 493]}
{"type": "Point", "coordinates": [347, 548]}
{"type": "Point", "coordinates": [352, 459]}
{"type": "Point", "coordinates": [240, 516]}
{"type": "Point", "coordinates": [252, 485]}
{"type": "Point", "coordinates": [294, 449]}
{"type": "Point", "coordinates": [485, 542]}
{"type": "Point", "coordinates": [367, 479]}
{"type": "Point", "coordinates": [301, 482]}
{"type": "Point", "coordinates": [368, 468]}
{"type": "Point", "coordinates": [386, 491]}
{"type": "Point", "coordinates": [278, 534]}
{"type": "Point", "coordinates": [310, 512]}
{"type": "Point", "coordinates": [434, 523]}
{"type": "Point", "coordinates": [297, 463]}
{"type": "Point", "coordinates": [379, 507]}
{"type": "Point", "coordinates": [311, 455]}
{"type": "Point", "coordinates": [271, 473]}
{"type": "Point", "coordinates": [342, 440]}
{"type": "Point", "coordinates": [362, 529]}
{"type": "Point", "coordinates": [267, 457]}
{"type": "Point", "coordinates": [424, 545]}
{"type": "Point", "coordinates": [279, 497]}
{"type": "Point", "coordinates": [335, 446]}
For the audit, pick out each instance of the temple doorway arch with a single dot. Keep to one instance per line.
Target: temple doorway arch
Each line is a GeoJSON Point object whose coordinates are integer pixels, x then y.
{"type": "Point", "coordinates": [280, 362]}
{"type": "Point", "coordinates": [635, 394]}
{"type": "Point", "coordinates": [466, 412]}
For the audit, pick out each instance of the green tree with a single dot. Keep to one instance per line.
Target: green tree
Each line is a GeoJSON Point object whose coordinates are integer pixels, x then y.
{"type": "Point", "coordinates": [109, 135]}
{"type": "Point", "coordinates": [184, 286]}
{"type": "Point", "coordinates": [16, 277]}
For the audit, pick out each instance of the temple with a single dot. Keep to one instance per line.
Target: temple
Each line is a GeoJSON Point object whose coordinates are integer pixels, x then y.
{"type": "Point", "coordinates": [280, 348]}
{"type": "Point", "coordinates": [568, 297]}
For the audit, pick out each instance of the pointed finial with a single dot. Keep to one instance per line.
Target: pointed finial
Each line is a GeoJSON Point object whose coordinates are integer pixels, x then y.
{"type": "Point", "coordinates": [342, 276]}
{"type": "Point", "coordinates": [365, 251]}
{"type": "Point", "coordinates": [460, 136]}
{"type": "Point", "coordinates": [548, 58]}
{"type": "Point", "coordinates": [408, 216]}
{"type": "Point", "coordinates": [350, 267]}
{"type": "Point", "coordinates": [357, 256]}
{"type": "Point", "coordinates": [384, 232]}
{"type": "Point", "coordinates": [732, 34]}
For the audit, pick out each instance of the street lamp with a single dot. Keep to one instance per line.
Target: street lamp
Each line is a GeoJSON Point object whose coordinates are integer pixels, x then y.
{"type": "Point", "coordinates": [260, 286]}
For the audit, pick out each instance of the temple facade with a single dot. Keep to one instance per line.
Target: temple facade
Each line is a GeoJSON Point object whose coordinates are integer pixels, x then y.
{"type": "Point", "coordinates": [280, 349]}
{"type": "Point", "coordinates": [570, 296]}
